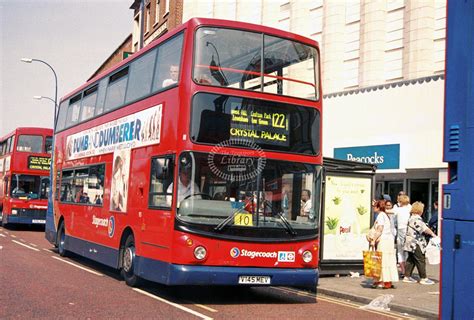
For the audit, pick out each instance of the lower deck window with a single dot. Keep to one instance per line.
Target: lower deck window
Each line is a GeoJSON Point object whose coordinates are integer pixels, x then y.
{"type": "Point", "coordinates": [83, 185]}
{"type": "Point", "coordinates": [161, 182]}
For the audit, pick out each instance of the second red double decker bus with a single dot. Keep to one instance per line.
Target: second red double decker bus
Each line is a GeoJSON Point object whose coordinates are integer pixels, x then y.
{"type": "Point", "coordinates": [197, 160]}
{"type": "Point", "coordinates": [25, 160]}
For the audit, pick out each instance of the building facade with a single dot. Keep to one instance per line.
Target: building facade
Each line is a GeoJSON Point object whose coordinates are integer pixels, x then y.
{"type": "Point", "coordinates": [155, 18]}
{"type": "Point", "coordinates": [382, 71]}
{"type": "Point", "coordinates": [121, 53]}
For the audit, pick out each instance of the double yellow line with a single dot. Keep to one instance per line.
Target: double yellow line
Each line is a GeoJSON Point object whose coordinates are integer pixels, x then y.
{"type": "Point", "coordinates": [339, 302]}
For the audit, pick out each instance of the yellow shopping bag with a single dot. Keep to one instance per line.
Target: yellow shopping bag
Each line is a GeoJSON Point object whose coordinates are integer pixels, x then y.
{"type": "Point", "coordinates": [372, 263]}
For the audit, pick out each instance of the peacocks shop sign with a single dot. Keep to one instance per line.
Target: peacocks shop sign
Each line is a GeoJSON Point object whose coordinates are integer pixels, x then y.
{"type": "Point", "coordinates": [385, 156]}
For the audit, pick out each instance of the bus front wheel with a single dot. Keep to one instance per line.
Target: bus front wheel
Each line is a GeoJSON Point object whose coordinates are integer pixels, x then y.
{"type": "Point", "coordinates": [61, 240]}
{"type": "Point", "coordinates": [128, 262]}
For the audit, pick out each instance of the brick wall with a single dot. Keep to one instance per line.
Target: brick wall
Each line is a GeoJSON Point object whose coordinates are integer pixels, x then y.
{"type": "Point", "coordinates": [116, 57]}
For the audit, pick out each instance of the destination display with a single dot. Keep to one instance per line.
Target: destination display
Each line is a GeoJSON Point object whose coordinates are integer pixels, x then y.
{"type": "Point", "coordinates": [245, 122]}
{"type": "Point", "coordinates": [39, 163]}
{"type": "Point", "coordinates": [260, 124]}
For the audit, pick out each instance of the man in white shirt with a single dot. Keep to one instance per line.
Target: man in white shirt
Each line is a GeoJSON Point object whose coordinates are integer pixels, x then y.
{"type": "Point", "coordinates": [174, 71]}
{"type": "Point", "coordinates": [186, 187]}
{"type": "Point", "coordinates": [305, 203]}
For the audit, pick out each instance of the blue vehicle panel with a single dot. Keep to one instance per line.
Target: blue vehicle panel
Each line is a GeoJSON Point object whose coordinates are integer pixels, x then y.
{"type": "Point", "coordinates": [458, 212]}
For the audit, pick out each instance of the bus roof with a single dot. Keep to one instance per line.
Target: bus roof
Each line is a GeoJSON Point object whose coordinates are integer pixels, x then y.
{"type": "Point", "coordinates": [29, 130]}
{"type": "Point", "coordinates": [193, 23]}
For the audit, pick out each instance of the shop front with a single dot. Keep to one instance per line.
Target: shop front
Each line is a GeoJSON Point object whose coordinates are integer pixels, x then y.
{"type": "Point", "coordinates": [398, 128]}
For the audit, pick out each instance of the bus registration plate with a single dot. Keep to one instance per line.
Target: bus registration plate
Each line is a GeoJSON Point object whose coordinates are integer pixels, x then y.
{"type": "Point", "coordinates": [254, 280]}
{"type": "Point", "coordinates": [38, 221]}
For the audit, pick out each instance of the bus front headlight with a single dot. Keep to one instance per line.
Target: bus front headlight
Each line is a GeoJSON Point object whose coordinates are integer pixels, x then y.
{"type": "Point", "coordinates": [200, 252]}
{"type": "Point", "coordinates": [307, 256]}
{"type": "Point", "coordinates": [14, 211]}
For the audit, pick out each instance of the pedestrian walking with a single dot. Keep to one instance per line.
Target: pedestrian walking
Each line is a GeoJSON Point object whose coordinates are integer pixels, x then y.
{"type": "Point", "coordinates": [433, 223]}
{"type": "Point", "coordinates": [401, 213]}
{"type": "Point", "coordinates": [389, 272]}
{"type": "Point", "coordinates": [415, 245]}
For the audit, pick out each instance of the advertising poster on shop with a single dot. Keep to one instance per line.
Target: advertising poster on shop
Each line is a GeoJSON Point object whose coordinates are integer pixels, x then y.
{"type": "Point", "coordinates": [120, 179]}
{"type": "Point", "coordinates": [347, 212]}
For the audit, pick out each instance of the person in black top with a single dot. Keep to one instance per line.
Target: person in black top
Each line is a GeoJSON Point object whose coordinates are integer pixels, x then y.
{"type": "Point", "coordinates": [433, 223]}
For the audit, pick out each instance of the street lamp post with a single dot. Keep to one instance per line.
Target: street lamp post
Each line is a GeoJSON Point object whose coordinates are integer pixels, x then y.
{"type": "Point", "coordinates": [29, 60]}
{"type": "Point", "coordinates": [43, 97]}
{"type": "Point", "coordinates": [50, 228]}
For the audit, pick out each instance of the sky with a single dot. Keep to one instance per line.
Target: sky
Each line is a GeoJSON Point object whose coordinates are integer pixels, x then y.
{"type": "Point", "coordinates": [74, 36]}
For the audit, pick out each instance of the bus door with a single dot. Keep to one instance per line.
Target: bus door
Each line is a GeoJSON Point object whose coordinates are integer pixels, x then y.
{"type": "Point", "coordinates": [4, 194]}
{"type": "Point", "coordinates": [156, 214]}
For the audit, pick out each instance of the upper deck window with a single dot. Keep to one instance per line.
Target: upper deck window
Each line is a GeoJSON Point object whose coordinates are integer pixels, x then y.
{"type": "Point", "coordinates": [99, 106]}
{"type": "Point", "coordinates": [30, 143]}
{"type": "Point", "coordinates": [233, 58]}
{"type": "Point", "coordinates": [6, 145]}
{"type": "Point", "coordinates": [141, 76]}
{"type": "Point", "coordinates": [115, 96]}
{"type": "Point", "coordinates": [61, 121]}
{"type": "Point", "coordinates": [88, 103]}
{"type": "Point", "coordinates": [3, 147]}
{"type": "Point", "coordinates": [152, 72]}
{"type": "Point", "coordinates": [73, 110]}
{"type": "Point", "coordinates": [168, 63]}
{"type": "Point", "coordinates": [9, 144]}
{"type": "Point", "coordinates": [48, 147]}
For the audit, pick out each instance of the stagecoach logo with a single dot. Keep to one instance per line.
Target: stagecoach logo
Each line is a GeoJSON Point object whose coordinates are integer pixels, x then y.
{"type": "Point", "coordinates": [234, 252]}
{"type": "Point", "coordinates": [241, 165]}
{"type": "Point", "coordinates": [111, 227]}
{"type": "Point", "coordinates": [99, 222]}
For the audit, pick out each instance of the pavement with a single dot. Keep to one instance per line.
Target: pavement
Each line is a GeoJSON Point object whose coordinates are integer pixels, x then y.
{"type": "Point", "coordinates": [413, 299]}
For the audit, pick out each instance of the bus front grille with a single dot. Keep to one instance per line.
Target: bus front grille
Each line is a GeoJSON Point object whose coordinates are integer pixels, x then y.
{"type": "Point", "coordinates": [31, 213]}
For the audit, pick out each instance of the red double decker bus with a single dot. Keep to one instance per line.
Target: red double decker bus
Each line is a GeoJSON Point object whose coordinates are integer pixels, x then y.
{"type": "Point", "coordinates": [25, 160]}
{"type": "Point", "coordinates": [197, 161]}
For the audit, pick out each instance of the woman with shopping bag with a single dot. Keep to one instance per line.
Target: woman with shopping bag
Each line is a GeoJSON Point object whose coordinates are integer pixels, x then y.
{"type": "Point", "coordinates": [386, 245]}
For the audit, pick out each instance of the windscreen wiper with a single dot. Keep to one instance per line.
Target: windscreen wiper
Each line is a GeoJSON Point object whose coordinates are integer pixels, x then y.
{"type": "Point", "coordinates": [226, 221]}
{"type": "Point", "coordinates": [283, 219]}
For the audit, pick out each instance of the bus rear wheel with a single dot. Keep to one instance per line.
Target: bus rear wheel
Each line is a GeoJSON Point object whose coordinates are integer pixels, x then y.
{"type": "Point", "coordinates": [61, 240]}
{"type": "Point", "coordinates": [128, 262]}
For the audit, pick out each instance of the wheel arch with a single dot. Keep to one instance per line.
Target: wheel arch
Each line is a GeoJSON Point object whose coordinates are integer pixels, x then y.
{"type": "Point", "coordinates": [60, 221]}
{"type": "Point", "coordinates": [125, 233]}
